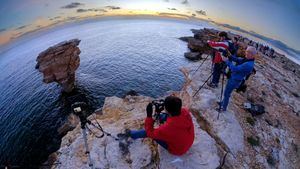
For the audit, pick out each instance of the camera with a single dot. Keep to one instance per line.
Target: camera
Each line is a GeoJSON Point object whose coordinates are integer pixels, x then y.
{"type": "Point", "coordinates": [223, 52]}
{"type": "Point", "coordinates": [80, 109]}
{"type": "Point", "coordinates": [159, 105]}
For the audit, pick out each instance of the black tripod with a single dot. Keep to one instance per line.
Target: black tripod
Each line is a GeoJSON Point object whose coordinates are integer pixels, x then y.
{"type": "Point", "coordinates": [200, 65]}
{"type": "Point", "coordinates": [221, 97]}
{"type": "Point", "coordinates": [203, 84]}
{"type": "Point", "coordinates": [84, 122]}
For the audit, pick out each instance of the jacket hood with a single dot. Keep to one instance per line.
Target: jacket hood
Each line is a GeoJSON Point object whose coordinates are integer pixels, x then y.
{"type": "Point", "coordinates": [183, 120]}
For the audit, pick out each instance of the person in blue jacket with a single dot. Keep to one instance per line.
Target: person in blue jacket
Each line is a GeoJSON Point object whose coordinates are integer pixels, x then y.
{"type": "Point", "coordinates": [239, 71]}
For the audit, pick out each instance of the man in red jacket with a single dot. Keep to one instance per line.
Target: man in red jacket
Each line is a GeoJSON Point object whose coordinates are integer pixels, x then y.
{"type": "Point", "coordinates": [176, 134]}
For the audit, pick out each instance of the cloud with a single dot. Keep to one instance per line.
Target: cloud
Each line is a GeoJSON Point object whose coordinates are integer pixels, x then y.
{"type": "Point", "coordinates": [173, 15]}
{"type": "Point", "coordinates": [185, 2]}
{"type": "Point", "coordinates": [57, 17]}
{"type": "Point", "coordinates": [2, 29]}
{"type": "Point", "coordinates": [166, 0]}
{"type": "Point", "coordinates": [72, 5]}
{"type": "Point", "coordinates": [113, 7]}
{"type": "Point", "coordinates": [21, 27]}
{"type": "Point", "coordinates": [193, 14]}
{"type": "Point", "coordinates": [91, 10]}
{"type": "Point", "coordinates": [172, 9]}
{"type": "Point", "coordinates": [201, 12]}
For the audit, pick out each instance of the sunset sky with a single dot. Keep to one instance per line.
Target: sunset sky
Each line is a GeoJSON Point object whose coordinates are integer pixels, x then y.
{"type": "Point", "coordinates": [277, 19]}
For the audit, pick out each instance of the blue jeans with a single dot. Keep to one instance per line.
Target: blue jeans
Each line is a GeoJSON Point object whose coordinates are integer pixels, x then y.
{"type": "Point", "coordinates": [217, 71]}
{"type": "Point", "coordinates": [135, 134]}
{"type": "Point", "coordinates": [231, 85]}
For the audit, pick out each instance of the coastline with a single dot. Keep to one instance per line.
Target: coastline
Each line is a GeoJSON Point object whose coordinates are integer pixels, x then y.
{"type": "Point", "coordinates": [274, 86]}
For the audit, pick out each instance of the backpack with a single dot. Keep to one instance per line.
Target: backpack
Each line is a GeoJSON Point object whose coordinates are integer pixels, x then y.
{"type": "Point", "coordinates": [254, 109]}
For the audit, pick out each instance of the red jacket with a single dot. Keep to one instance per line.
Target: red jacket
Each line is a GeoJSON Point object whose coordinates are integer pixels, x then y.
{"type": "Point", "coordinates": [217, 46]}
{"type": "Point", "coordinates": [177, 132]}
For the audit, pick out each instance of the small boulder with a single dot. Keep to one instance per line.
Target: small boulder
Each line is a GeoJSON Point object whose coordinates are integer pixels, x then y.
{"type": "Point", "coordinates": [194, 56]}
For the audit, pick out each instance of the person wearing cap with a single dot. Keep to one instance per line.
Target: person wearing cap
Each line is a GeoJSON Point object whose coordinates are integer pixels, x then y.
{"type": "Point", "coordinates": [176, 134]}
{"type": "Point", "coordinates": [217, 61]}
{"type": "Point", "coordinates": [243, 67]}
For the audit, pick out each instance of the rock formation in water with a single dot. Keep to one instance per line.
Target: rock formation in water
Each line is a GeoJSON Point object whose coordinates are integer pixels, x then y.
{"type": "Point", "coordinates": [198, 44]}
{"type": "Point", "coordinates": [59, 62]}
{"type": "Point", "coordinates": [235, 140]}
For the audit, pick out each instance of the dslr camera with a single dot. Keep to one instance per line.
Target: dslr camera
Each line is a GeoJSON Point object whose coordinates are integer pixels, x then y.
{"type": "Point", "coordinates": [159, 116]}
{"type": "Point", "coordinates": [81, 109]}
{"type": "Point", "coordinates": [159, 105]}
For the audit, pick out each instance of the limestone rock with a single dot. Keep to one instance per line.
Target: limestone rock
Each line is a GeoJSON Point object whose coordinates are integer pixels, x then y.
{"type": "Point", "coordinates": [194, 56]}
{"type": "Point", "coordinates": [106, 152]}
{"type": "Point", "coordinates": [59, 63]}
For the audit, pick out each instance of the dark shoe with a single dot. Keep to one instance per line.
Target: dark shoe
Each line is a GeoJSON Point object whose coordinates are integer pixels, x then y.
{"type": "Point", "coordinates": [212, 85]}
{"type": "Point", "coordinates": [124, 142]}
{"type": "Point", "coordinates": [124, 135]}
{"type": "Point", "coordinates": [221, 110]}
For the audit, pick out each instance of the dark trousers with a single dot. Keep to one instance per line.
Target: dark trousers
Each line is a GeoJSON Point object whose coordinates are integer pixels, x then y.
{"type": "Point", "coordinates": [217, 71]}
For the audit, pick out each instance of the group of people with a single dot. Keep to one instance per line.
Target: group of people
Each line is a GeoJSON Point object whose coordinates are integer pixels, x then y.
{"type": "Point", "coordinates": [230, 55]}
{"type": "Point", "coordinates": [176, 131]}
{"type": "Point", "coordinates": [264, 49]}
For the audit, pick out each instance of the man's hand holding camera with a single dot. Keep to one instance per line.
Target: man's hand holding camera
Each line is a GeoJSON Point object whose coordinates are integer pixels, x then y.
{"type": "Point", "coordinates": [149, 110]}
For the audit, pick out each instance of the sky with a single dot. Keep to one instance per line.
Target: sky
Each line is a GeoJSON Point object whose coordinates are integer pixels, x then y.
{"type": "Point", "coordinates": [276, 19]}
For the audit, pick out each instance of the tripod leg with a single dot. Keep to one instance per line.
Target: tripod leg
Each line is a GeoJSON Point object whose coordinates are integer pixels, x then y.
{"type": "Point", "coordinates": [221, 97]}
{"type": "Point", "coordinates": [200, 65]}
{"type": "Point", "coordinates": [87, 151]}
{"type": "Point", "coordinates": [203, 85]}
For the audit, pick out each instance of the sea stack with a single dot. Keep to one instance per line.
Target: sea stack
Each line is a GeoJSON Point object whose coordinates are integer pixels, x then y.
{"type": "Point", "coordinates": [59, 62]}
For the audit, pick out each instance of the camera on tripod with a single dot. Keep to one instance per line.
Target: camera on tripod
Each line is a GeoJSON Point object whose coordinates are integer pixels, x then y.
{"type": "Point", "coordinates": [81, 109]}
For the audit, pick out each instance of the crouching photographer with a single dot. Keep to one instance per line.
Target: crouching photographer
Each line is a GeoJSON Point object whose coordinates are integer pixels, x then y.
{"type": "Point", "coordinates": [176, 134]}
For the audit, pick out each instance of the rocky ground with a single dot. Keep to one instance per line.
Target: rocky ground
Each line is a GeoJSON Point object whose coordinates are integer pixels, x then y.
{"type": "Point", "coordinates": [234, 140]}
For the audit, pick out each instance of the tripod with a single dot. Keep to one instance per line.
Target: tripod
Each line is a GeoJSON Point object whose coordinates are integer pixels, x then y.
{"type": "Point", "coordinates": [200, 65]}
{"type": "Point", "coordinates": [203, 84]}
{"type": "Point", "coordinates": [84, 122]}
{"type": "Point", "coordinates": [221, 97]}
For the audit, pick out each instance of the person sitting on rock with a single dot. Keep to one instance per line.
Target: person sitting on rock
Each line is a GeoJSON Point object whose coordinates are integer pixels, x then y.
{"type": "Point", "coordinates": [176, 134]}
{"type": "Point", "coordinates": [243, 67]}
{"type": "Point", "coordinates": [219, 66]}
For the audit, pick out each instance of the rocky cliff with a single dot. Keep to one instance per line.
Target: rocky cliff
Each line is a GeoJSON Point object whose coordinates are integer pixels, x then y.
{"type": "Point", "coordinates": [234, 140]}
{"type": "Point", "coordinates": [59, 62]}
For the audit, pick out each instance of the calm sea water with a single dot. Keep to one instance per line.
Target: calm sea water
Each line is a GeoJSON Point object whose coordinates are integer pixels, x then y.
{"type": "Point", "coordinates": [117, 56]}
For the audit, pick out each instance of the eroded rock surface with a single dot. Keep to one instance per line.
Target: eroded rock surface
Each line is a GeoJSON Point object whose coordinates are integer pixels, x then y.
{"type": "Point", "coordinates": [59, 63]}
{"type": "Point", "coordinates": [119, 114]}
{"type": "Point", "coordinates": [234, 140]}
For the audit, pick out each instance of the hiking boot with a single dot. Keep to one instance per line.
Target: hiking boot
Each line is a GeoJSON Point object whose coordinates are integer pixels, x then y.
{"type": "Point", "coordinates": [221, 110]}
{"type": "Point", "coordinates": [125, 135]}
{"type": "Point", "coordinates": [124, 141]}
{"type": "Point", "coordinates": [212, 85]}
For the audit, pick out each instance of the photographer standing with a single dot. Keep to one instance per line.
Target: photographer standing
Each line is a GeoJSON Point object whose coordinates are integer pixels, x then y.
{"type": "Point", "coordinates": [176, 134]}
{"type": "Point", "coordinates": [243, 67]}
{"type": "Point", "coordinates": [224, 44]}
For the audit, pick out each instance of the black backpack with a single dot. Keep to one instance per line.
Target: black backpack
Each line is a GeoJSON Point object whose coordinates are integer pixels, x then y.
{"type": "Point", "coordinates": [254, 109]}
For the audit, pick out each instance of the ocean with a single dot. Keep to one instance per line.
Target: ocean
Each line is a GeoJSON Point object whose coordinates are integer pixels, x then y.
{"type": "Point", "coordinates": [117, 55]}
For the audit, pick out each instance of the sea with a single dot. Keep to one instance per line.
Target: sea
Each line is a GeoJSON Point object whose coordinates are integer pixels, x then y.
{"type": "Point", "coordinates": [117, 55]}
